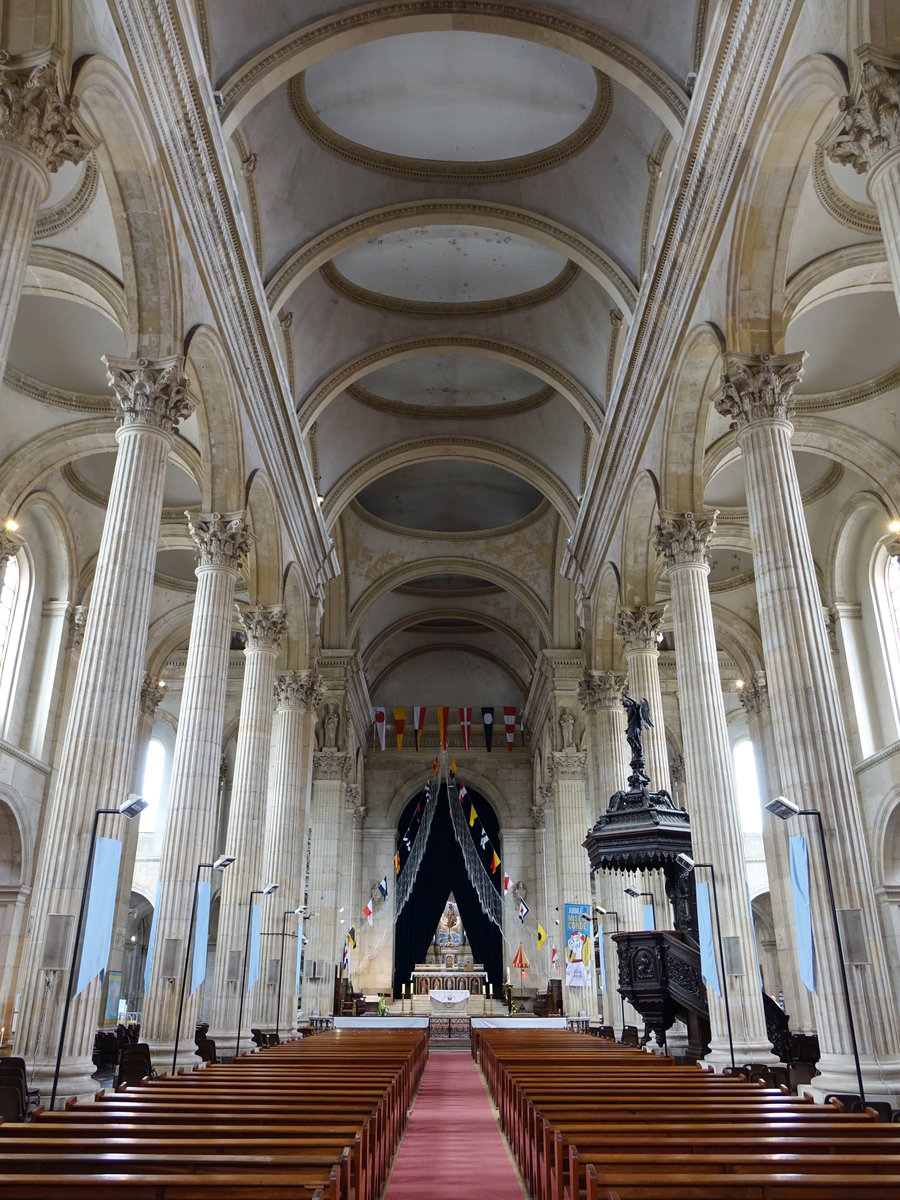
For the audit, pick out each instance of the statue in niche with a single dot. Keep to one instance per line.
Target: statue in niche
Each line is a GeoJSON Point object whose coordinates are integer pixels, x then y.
{"type": "Point", "coordinates": [330, 720]}
{"type": "Point", "coordinates": [450, 930]}
{"type": "Point", "coordinates": [567, 729]}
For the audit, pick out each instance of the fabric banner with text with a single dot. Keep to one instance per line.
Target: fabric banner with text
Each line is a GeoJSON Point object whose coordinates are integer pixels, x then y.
{"type": "Point", "coordinates": [578, 944]}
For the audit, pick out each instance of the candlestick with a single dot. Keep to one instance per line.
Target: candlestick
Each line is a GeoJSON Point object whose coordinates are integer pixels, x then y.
{"type": "Point", "coordinates": [490, 989]}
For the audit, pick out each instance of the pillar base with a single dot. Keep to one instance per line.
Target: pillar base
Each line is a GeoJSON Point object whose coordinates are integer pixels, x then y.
{"type": "Point", "coordinates": [757, 1053]}
{"type": "Point", "coordinates": [75, 1079]}
{"type": "Point", "coordinates": [837, 1073]}
{"type": "Point", "coordinates": [188, 1058]}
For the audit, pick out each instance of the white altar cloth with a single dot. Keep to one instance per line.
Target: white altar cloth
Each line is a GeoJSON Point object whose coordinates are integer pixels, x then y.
{"type": "Point", "coordinates": [450, 999]}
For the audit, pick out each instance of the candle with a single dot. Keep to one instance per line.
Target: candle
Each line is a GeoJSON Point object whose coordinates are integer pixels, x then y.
{"type": "Point", "coordinates": [490, 989]}
{"type": "Point", "coordinates": [507, 974]}
{"type": "Point", "coordinates": [403, 989]}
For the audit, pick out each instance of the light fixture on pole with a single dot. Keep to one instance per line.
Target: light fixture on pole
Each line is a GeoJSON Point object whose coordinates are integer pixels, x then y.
{"type": "Point", "coordinates": [221, 863]}
{"type": "Point", "coordinates": [687, 863]}
{"type": "Point", "coordinates": [130, 807]}
{"type": "Point", "coordinates": [784, 808]}
{"type": "Point", "coordinates": [630, 891]}
{"type": "Point", "coordinates": [299, 911]}
{"type": "Point", "coordinates": [266, 891]}
{"type": "Point", "coordinates": [611, 912]}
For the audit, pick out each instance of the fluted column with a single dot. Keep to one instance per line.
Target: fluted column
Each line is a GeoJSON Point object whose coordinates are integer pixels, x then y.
{"type": "Point", "coordinates": [37, 135]}
{"type": "Point", "coordinates": [797, 1004]}
{"type": "Point", "coordinates": [244, 838]}
{"type": "Point", "coordinates": [682, 539]}
{"type": "Point", "coordinates": [297, 696]}
{"type": "Point", "coordinates": [866, 136]}
{"type": "Point", "coordinates": [222, 541]}
{"type": "Point", "coordinates": [331, 771]}
{"type": "Point", "coordinates": [813, 758]}
{"type": "Point", "coordinates": [568, 768]}
{"type": "Point", "coordinates": [94, 766]}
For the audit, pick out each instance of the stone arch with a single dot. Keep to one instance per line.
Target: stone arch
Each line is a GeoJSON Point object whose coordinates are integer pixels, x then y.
{"type": "Point", "coordinates": [465, 614]}
{"type": "Point", "coordinates": [264, 566]}
{"type": "Point", "coordinates": [852, 528]}
{"type": "Point", "coordinates": [796, 117]}
{"type": "Point", "coordinates": [406, 790]}
{"type": "Point", "coordinates": [542, 368]}
{"type": "Point", "coordinates": [132, 171]}
{"type": "Point", "coordinates": [60, 552]}
{"type": "Point", "coordinates": [456, 648]}
{"type": "Point", "coordinates": [166, 635]}
{"type": "Point", "coordinates": [484, 450]}
{"type": "Point", "coordinates": [16, 844]}
{"type": "Point", "coordinates": [696, 374]}
{"type": "Point", "coordinates": [300, 640]}
{"type": "Point", "coordinates": [607, 649]}
{"type": "Point", "coordinates": [888, 860]}
{"type": "Point", "coordinates": [218, 421]}
{"type": "Point", "coordinates": [539, 228]}
{"type": "Point", "coordinates": [640, 566]}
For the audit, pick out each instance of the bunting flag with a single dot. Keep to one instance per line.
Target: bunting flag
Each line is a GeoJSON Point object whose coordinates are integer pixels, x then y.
{"type": "Point", "coordinates": [379, 725]}
{"type": "Point", "coordinates": [484, 839]}
{"type": "Point", "coordinates": [553, 957]}
{"type": "Point", "coordinates": [542, 935]}
{"type": "Point", "coordinates": [462, 794]}
{"type": "Point", "coordinates": [507, 884]}
{"type": "Point", "coordinates": [495, 862]}
{"type": "Point", "coordinates": [443, 716]}
{"type": "Point", "coordinates": [465, 724]}
{"type": "Point", "coordinates": [418, 722]}
{"type": "Point", "coordinates": [351, 937]}
{"type": "Point", "coordinates": [399, 725]}
{"type": "Point", "coordinates": [520, 962]}
{"type": "Point", "coordinates": [345, 962]}
{"type": "Point", "coordinates": [367, 913]}
{"type": "Point", "coordinates": [487, 720]}
{"type": "Point", "coordinates": [382, 887]}
{"type": "Point", "coordinates": [453, 768]}
{"type": "Point", "coordinates": [406, 842]}
{"type": "Point", "coordinates": [509, 720]}
{"type": "Point", "coordinates": [524, 910]}
{"type": "Point", "coordinates": [473, 815]}
{"type": "Point", "coordinates": [397, 862]}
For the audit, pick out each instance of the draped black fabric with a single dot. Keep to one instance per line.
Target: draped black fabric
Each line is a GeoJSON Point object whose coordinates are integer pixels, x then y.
{"type": "Point", "coordinates": [442, 872]}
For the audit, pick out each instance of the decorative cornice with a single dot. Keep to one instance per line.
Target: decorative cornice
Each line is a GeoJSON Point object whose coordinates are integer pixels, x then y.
{"type": "Point", "coordinates": [222, 539]}
{"type": "Point", "coordinates": [80, 486]}
{"type": "Point", "coordinates": [586, 444]}
{"type": "Point", "coordinates": [758, 387]}
{"type": "Point", "coordinates": [45, 393]}
{"type": "Point", "coordinates": [248, 167]}
{"type": "Point", "coordinates": [682, 539]}
{"type": "Point", "coordinates": [53, 220]}
{"type": "Point", "coordinates": [840, 206]}
{"type": "Point", "coordinates": [568, 765]}
{"type": "Point", "coordinates": [331, 764]}
{"type": "Point", "coordinates": [654, 167]}
{"type": "Point", "coordinates": [152, 692]}
{"type": "Point", "coordinates": [28, 759]}
{"type": "Point", "coordinates": [601, 689]}
{"type": "Point", "coordinates": [299, 689]}
{"type": "Point", "coordinates": [615, 328]}
{"type": "Point", "coordinates": [38, 114]}
{"type": "Point", "coordinates": [514, 527]}
{"type": "Point", "coordinates": [638, 627]}
{"type": "Point", "coordinates": [384, 302]}
{"type": "Point", "coordinates": [857, 393]}
{"type": "Point", "coordinates": [867, 126]}
{"type": "Point", "coordinates": [150, 393]}
{"type": "Point", "coordinates": [445, 412]}
{"type": "Point", "coordinates": [264, 627]}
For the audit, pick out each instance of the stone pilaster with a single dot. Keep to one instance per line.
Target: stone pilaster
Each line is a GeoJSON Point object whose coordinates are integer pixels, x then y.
{"type": "Point", "coordinates": [93, 769]}
{"type": "Point", "coordinates": [222, 541]}
{"type": "Point", "coordinates": [813, 759]}
{"type": "Point", "coordinates": [331, 773]}
{"type": "Point", "coordinates": [568, 767]}
{"type": "Point", "coordinates": [865, 135]}
{"type": "Point", "coordinates": [37, 135]}
{"type": "Point", "coordinates": [682, 540]}
{"type": "Point", "coordinates": [297, 697]}
{"type": "Point", "coordinates": [264, 627]}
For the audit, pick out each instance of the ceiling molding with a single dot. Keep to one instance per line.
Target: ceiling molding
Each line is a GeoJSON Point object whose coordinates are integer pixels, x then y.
{"type": "Point", "coordinates": [838, 204]}
{"type": "Point", "coordinates": [464, 614]}
{"type": "Point", "coordinates": [452, 648]}
{"type": "Point", "coordinates": [857, 393]}
{"type": "Point", "coordinates": [445, 412]}
{"type": "Point", "coordinates": [53, 220]}
{"type": "Point", "coordinates": [841, 272]}
{"type": "Point", "coordinates": [53, 271]}
{"type": "Point", "coordinates": [492, 531]}
{"type": "Point", "coordinates": [55, 397]}
{"type": "Point", "coordinates": [508, 218]}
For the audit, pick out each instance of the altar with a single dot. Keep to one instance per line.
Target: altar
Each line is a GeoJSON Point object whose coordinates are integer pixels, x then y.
{"type": "Point", "coordinates": [449, 976]}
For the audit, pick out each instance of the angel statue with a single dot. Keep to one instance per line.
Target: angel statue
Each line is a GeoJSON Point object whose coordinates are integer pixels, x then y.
{"type": "Point", "coordinates": [637, 720]}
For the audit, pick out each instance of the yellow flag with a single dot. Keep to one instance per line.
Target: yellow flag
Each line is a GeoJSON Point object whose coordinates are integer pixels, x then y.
{"type": "Point", "coordinates": [542, 936]}
{"type": "Point", "coordinates": [472, 815]}
{"type": "Point", "coordinates": [399, 725]}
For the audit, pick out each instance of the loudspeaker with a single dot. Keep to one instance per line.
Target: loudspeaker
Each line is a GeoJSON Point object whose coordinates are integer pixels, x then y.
{"type": "Point", "coordinates": [57, 939]}
{"type": "Point", "coordinates": [233, 967]}
{"type": "Point", "coordinates": [734, 957]}
{"type": "Point", "coordinates": [171, 958]}
{"type": "Point", "coordinates": [272, 971]}
{"type": "Point", "coordinates": [853, 937]}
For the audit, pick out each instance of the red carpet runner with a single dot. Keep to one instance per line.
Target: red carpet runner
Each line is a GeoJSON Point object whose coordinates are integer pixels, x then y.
{"type": "Point", "coordinates": [452, 1146]}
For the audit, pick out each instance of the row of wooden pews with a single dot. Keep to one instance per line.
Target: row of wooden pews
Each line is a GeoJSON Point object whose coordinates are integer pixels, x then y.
{"type": "Point", "coordinates": [591, 1120]}
{"type": "Point", "coordinates": [317, 1119]}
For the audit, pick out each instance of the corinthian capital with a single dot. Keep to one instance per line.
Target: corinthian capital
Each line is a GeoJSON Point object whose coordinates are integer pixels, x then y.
{"type": "Point", "coordinates": [331, 764]}
{"type": "Point", "coordinates": [867, 126]}
{"type": "Point", "coordinates": [38, 115]}
{"type": "Point", "coordinates": [264, 627]}
{"type": "Point", "coordinates": [759, 387]}
{"type": "Point", "coordinates": [299, 689]}
{"type": "Point", "coordinates": [638, 627]}
{"type": "Point", "coordinates": [152, 691]}
{"type": "Point", "coordinates": [683, 538]}
{"type": "Point", "coordinates": [222, 539]}
{"type": "Point", "coordinates": [600, 689]}
{"type": "Point", "coordinates": [568, 764]}
{"type": "Point", "coordinates": [755, 695]}
{"type": "Point", "coordinates": [10, 545]}
{"type": "Point", "coordinates": [150, 393]}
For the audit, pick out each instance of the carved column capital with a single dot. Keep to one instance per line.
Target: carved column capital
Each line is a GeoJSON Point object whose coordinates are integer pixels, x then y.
{"type": "Point", "coordinates": [10, 545]}
{"type": "Point", "coordinates": [568, 765]}
{"type": "Point", "coordinates": [37, 113]}
{"type": "Point", "coordinates": [758, 387]}
{"type": "Point", "coordinates": [222, 539]}
{"type": "Point", "coordinates": [331, 764]}
{"type": "Point", "coordinates": [77, 622]}
{"type": "Point", "coordinates": [601, 689]}
{"type": "Point", "coordinates": [677, 769]}
{"type": "Point", "coordinates": [638, 627]}
{"type": "Point", "coordinates": [152, 691]}
{"type": "Point", "coordinates": [755, 695]}
{"type": "Point", "coordinates": [682, 539]}
{"type": "Point", "coordinates": [299, 689]}
{"type": "Point", "coordinates": [538, 816]}
{"type": "Point", "coordinates": [264, 627]}
{"type": "Point", "coordinates": [150, 393]}
{"type": "Point", "coordinates": [867, 126]}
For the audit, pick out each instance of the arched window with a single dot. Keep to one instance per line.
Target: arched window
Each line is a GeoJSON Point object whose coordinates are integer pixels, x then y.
{"type": "Point", "coordinates": [885, 585]}
{"type": "Point", "coordinates": [9, 588]}
{"type": "Point", "coordinates": [14, 592]}
{"type": "Point", "coordinates": [151, 788]}
{"type": "Point", "coordinates": [747, 786]}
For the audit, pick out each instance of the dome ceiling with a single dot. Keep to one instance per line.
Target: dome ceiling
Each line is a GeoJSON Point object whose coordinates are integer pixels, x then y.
{"type": "Point", "coordinates": [455, 381]}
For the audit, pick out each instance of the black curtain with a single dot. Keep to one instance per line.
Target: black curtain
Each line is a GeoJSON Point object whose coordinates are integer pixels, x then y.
{"type": "Point", "coordinates": [441, 872]}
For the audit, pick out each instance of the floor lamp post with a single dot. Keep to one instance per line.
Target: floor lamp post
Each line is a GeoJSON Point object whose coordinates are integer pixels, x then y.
{"type": "Point", "coordinates": [685, 861]}
{"type": "Point", "coordinates": [266, 891]}
{"type": "Point", "coordinates": [223, 861]}
{"type": "Point", "coordinates": [630, 891]}
{"type": "Point", "coordinates": [297, 912]}
{"type": "Point", "coordinates": [784, 808]}
{"type": "Point", "coordinates": [130, 808]}
{"type": "Point", "coordinates": [611, 912]}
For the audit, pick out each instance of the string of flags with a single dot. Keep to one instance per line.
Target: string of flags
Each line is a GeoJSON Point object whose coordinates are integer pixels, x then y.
{"type": "Point", "coordinates": [379, 726]}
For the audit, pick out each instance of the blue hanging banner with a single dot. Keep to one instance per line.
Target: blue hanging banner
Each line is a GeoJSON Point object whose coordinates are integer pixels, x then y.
{"type": "Point", "coordinates": [253, 968]}
{"type": "Point", "coordinates": [708, 967]}
{"type": "Point", "coordinates": [602, 958]}
{"type": "Point", "coordinates": [151, 942]}
{"type": "Point", "coordinates": [299, 957]}
{"type": "Point", "coordinates": [802, 915]}
{"type": "Point", "coordinates": [201, 936]}
{"type": "Point", "coordinates": [649, 922]}
{"type": "Point", "coordinates": [101, 911]}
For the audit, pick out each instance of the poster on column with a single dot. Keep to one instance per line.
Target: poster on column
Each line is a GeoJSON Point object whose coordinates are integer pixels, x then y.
{"type": "Point", "coordinates": [578, 945]}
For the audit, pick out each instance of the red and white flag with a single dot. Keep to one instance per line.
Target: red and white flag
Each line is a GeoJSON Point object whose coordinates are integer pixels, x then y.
{"type": "Point", "coordinates": [418, 722]}
{"type": "Point", "coordinates": [462, 793]}
{"type": "Point", "coordinates": [465, 724]}
{"type": "Point", "coordinates": [367, 913]}
{"type": "Point", "coordinates": [507, 883]}
{"type": "Point", "coordinates": [380, 725]}
{"type": "Point", "coordinates": [509, 720]}
{"type": "Point", "coordinates": [553, 957]}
